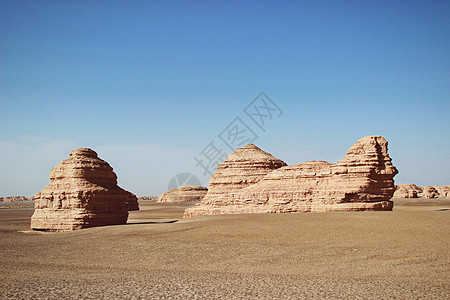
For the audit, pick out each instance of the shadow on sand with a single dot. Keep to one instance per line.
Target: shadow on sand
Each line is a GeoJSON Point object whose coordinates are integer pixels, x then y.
{"type": "Point", "coordinates": [152, 222]}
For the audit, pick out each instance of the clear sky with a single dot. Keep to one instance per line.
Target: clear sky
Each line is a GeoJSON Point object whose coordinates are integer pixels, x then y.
{"type": "Point", "coordinates": [149, 84]}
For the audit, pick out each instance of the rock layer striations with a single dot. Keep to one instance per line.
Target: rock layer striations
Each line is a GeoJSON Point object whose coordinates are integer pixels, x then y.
{"type": "Point", "coordinates": [407, 191]}
{"type": "Point", "coordinates": [413, 191]}
{"type": "Point", "coordinates": [184, 193]}
{"type": "Point", "coordinates": [83, 192]}
{"type": "Point", "coordinates": [363, 180]}
{"type": "Point", "coordinates": [132, 202]}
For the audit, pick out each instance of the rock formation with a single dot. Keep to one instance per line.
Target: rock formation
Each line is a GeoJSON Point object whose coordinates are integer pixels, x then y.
{"type": "Point", "coordinates": [148, 198]}
{"type": "Point", "coordinates": [429, 192]}
{"type": "Point", "coordinates": [444, 191]}
{"type": "Point", "coordinates": [184, 193]}
{"type": "Point", "coordinates": [407, 191]}
{"type": "Point", "coordinates": [132, 202]}
{"type": "Point", "coordinates": [414, 191]}
{"type": "Point", "coordinates": [83, 193]}
{"type": "Point", "coordinates": [253, 181]}
{"type": "Point", "coordinates": [15, 199]}
{"type": "Point", "coordinates": [244, 167]}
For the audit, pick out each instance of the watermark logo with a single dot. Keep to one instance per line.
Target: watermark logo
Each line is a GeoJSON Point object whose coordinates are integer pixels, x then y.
{"type": "Point", "coordinates": [209, 158]}
{"type": "Point", "coordinates": [182, 179]}
{"type": "Point", "coordinates": [261, 111]}
{"type": "Point", "coordinates": [238, 133]}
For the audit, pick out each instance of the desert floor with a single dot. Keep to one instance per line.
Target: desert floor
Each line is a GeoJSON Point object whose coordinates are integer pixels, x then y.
{"type": "Point", "coordinates": [403, 254]}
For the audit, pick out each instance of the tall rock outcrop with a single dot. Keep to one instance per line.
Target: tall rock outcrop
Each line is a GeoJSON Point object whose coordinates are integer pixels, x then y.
{"type": "Point", "coordinates": [83, 192]}
{"type": "Point", "coordinates": [363, 180]}
{"type": "Point", "coordinates": [184, 193]}
{"type": "Point", "coordinates": [407, 191]}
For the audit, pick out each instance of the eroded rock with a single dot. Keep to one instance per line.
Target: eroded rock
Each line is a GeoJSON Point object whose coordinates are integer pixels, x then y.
{"type": "Point", "coordinates": [407, 191]}
{"type": "Point", "coordinates": [83, 192]}
{"type": "Point", "coordinates": [184, 193]}
{"type": "Point", "coordinates": [242, 184]}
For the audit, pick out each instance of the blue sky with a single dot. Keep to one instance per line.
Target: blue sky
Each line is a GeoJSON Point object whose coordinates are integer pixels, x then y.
{"type": "Point", "coordinates": [149, 84]}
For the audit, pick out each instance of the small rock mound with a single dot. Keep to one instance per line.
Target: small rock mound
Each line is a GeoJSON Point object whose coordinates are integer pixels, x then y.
{"type": "Point", "coordinates": [148, 198]}
{"type": "Point", "coordinates": [184, 193]}
{"type": "Point", "coordinates": [407, 191]}
{"type": "Point", "coordinates": [444, 191]}
{"type": "Point", "coordinates": [83, 192]}
{"type": "Point", "coordinates": [414, 191]}
{"type": "Point", "coordinates": [429, 192]}
{"type": "Point", "coordinates": [15, 199]}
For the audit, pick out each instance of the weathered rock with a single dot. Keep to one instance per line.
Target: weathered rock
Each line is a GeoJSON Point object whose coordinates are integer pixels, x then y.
{"type": "Point", "coordinates": [132, 202]}
{"type": "Point", "coordinates": [184, 193]}
{"type": "Point", "coordinates": [429, 192]}
{"type": "Point", "coordinates": [407, 191]}
{"type": "Point", "coordinates": [15, 199]}
{"type": "Point", "coordinates": [83, 192]}
{"type": "Point", "coordinates": [148, 198]}
{"type": "Point", "coordinates": [363, 180]}
{"type": "Point", "coordinates": [444, 191]}
{"type": "Point", "coordinates": [244, 167]}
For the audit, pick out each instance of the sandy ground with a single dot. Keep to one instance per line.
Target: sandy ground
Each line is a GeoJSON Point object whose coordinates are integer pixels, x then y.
{"type": "Point", "coordinates": [402, 254]}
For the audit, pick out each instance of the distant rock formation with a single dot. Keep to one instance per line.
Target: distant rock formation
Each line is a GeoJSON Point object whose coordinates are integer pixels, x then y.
{"type": "Point", "coordinates": [15, 199]}
{"type": "Point", "coordinates": [83, 192]}
{"type": "Point", "coordinates": [414, 191]}
{"type": "Point", "coordinates": [132, 202]}
{"type": "Point", "coordinates": [429, 192]}
{"type": "Point", "coordinates": [253, 181]}
{"type": "Point", "coordinates": [148, 198]}
{"type": "Point", "coordinates": [184, 193]}
{"type": "Point", "coordinates": [444, 191]}
{"type": "Point", "coordinates": [407, 191]}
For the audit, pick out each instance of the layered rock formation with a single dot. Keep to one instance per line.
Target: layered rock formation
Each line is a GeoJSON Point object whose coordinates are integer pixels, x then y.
{"type": "Point", "coordinates": [363, 180]}
{"type": "Point", "coordinates": [414, 191]}
{"type": "Point", "coordinates": [244, 167]}
{"type": "Point", "coordinates": [83, 192]}
{"type": "Point", "coordinates": [429, 192]}
{"type": "Point", "coordinates": [15, 199]}
{"type": "Point", "coordinates": [132, 202]}
{"type": "Point", "coordinates": [444, 191]}
{"type": "Point", "coordinates": [407, 191]}
{"type": "Point", "coordinates": [184, 193]}
{"type": "Point", "coordinates": [148, 198]}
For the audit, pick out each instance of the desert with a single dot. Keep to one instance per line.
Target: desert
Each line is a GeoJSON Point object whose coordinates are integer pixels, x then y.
{"type": "Point", "coordinates": [352, 249]}
{"type": "Point", "coordinates": [224, 150]}
{"type": "Point", "coordinates": [386, 254]}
